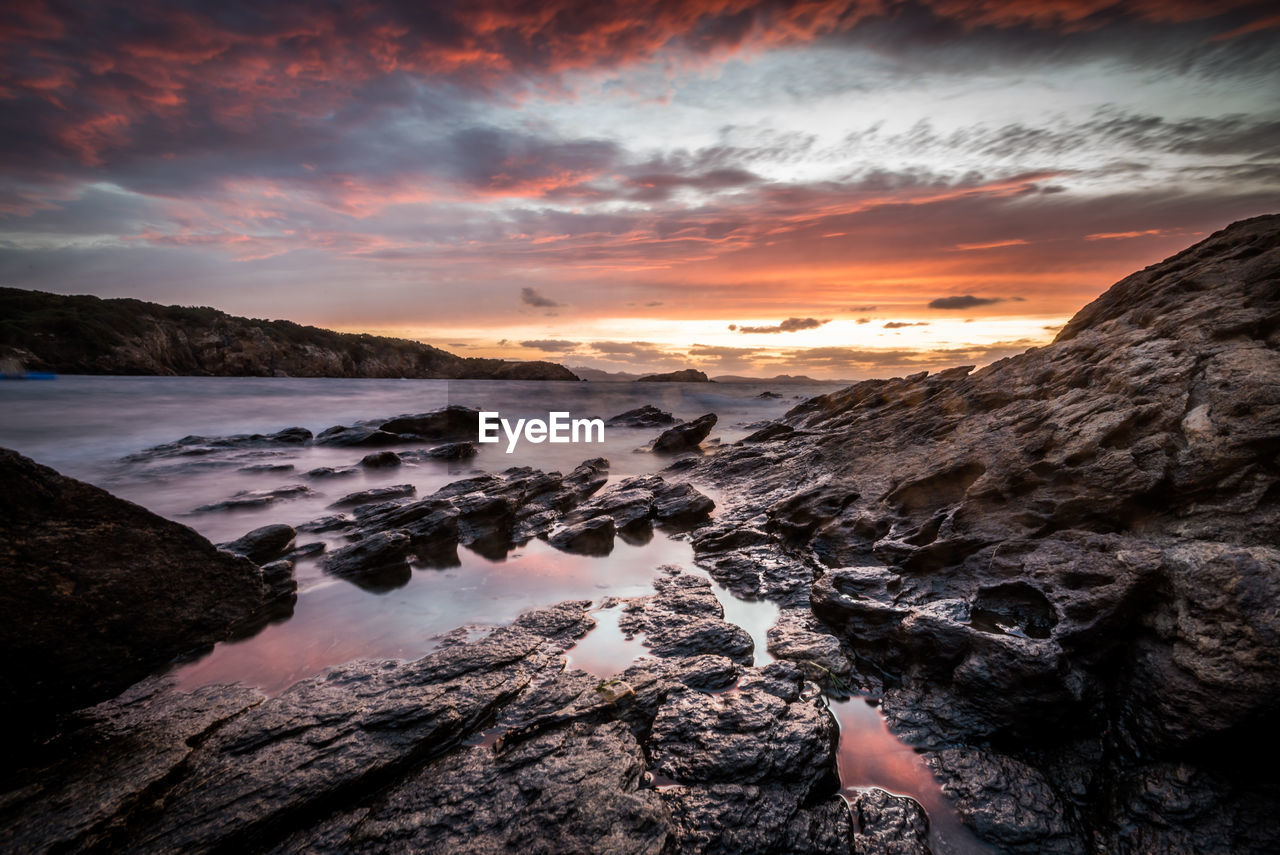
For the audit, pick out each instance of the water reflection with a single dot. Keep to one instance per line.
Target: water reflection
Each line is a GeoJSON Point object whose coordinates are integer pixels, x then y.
{"type": "Point", "coordinates": [335, 622]}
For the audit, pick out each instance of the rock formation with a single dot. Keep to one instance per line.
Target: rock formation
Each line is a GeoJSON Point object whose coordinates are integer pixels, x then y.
{"type": "Point", "coordinates": [1060, 572]}
{"type": "Point", "coordinates": [97, 592]}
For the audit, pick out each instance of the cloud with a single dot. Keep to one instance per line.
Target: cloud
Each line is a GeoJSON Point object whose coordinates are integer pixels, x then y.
{"type": "Point", "coordinates": [551, 345]}
{"type": "Point", "coordinates": [789, 325]}
{"type": "Point", "coordinates": [530, 297]}
{"type": "Point", "coordinates": [860, 308]}
{"type": "Point", "coordinates": [964, 301]}
{"type": "Point", "coordinates": [897, 325]}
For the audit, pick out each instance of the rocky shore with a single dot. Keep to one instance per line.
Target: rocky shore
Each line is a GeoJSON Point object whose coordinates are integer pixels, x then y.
{"type": "Point", "coordinates": [1057, 575]}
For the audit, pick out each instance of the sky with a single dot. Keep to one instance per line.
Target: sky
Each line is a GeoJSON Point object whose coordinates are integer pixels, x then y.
{"type": "Point", "coordinates": [837, 189]}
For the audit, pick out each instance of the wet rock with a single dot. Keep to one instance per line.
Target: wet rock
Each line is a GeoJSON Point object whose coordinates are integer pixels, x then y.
{"type": "Point", "coordinates": [268, 467]}
{"type": "Point", "coordinates": [246, 499]}
{"type": "Point", "coordinates": [333, 522]}
{"type": "Point", "coordinates": [575, 789]}
{"type": "Point", "coordinates": [642, 417]}
{"type": "Point", "coordinates": [453, 451]}
{"type": "Point", "coordinates": [1069, 547]}
{"type": "Point", "coordinates": [767, 395]}
{"type": "Point", "coordinates": [452, 423]}
{"type": "Point", "coordinates": [380, 460]}
{"type": "Point", "coordinates": [592, 537]}
{"type": "Point", "coordinates": [770, 432]}
{"type": "Point", "coordinates": [686, 436]}
{"type": "Point", "coordinates": [97, 592]}
{"type": "Point", "coordinates": [263, 544]}
{"type": "Point", "coordinates": [331, 472]}
{"type": "Point", "coordinates": [306, 550]}
{"type": "Point", "coordinates": [360, 437]}
{"type": "Point", "coordinates": [685, 619]}
{"type": "Point", "coordinates": [750, 819]}
{"type": "Point", "coordinates": [745, 737]}
{"type": "Point", "coordinates": [269, 771]}
{"type": "Point", "coordinates": [643, 500]}
{"type": "Point", "coordinates": [376, 494]}
{"type": "Point", "coordinates": [277, 577]}
{"type": "Point", "coordinates": [885, 824]}
{"type": "Point", "coordinates": [109, 760]}
{"type": "Point", "coordinates": [377, 562]}
{"type": "Point", "coordinates": [1007, 802]}
{"type": "Point", "coordinates": [200, 445]}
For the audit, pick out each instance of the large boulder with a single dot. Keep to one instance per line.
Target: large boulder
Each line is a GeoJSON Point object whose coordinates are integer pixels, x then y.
{"type": "Point", "coordinates": [97, 592]}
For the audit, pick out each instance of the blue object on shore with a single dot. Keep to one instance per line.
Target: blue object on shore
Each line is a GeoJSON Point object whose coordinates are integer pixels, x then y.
{"type": "Point", "coordinates": [29, 375]}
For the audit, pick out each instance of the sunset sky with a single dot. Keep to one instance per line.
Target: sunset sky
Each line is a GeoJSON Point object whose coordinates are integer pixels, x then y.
{"type": "Point", "coordinates": [839, 189]}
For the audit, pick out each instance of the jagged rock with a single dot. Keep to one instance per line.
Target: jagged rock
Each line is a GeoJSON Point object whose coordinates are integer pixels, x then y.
{"type": "Point", "coordinates": [685, 619]}
{"type": "Point", "coordinates": [376, 494]}
{"type": "Point", "coordinates": [748, 736]}
{"type": "Point", "coordinates": [642, 500]}
{"type": "Point", "coordinates": [201, 445]}
{"type": "Point", "coordinates": [888, 825]}
{"type": "Point", "coordinates": [1069, 547]}
{"type": "Point", "coordinates": [380, 460]}
{"type": "Point", "coordinates": [751, 819]}
{"type": "Point", "coordinates": [642, 417]}
{"type": "Point", "coordinates": [263, 544]}
{"type": "Point", "coordinates": [333, 522]}
{"type": "Point", "coordinates": [244, 499]}
{"type": "Point", "coordinates": [685, 436]}
{"type": "Point", "coordinates": [96, 592]}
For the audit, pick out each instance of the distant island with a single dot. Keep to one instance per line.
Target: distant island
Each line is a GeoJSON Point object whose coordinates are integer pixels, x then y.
{"type": "Point", "coordinates": [90, 335]}
{"type": "Point", "coordinates": [688, 375]}
{"type": "Point", "coordinates": [691, 375]}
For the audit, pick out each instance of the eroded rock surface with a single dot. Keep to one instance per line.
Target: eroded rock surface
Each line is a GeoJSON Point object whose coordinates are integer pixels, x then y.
{"type": "Point", "coordinates": [1060, 571]}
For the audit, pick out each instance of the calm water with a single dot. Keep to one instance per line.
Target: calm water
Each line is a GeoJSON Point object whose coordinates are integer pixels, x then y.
{"type": "Point", "coordinates": [86, 426]}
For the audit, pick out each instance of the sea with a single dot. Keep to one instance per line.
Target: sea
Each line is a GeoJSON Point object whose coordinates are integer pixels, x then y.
{"type": "Point", "coordinates": [98, 429]}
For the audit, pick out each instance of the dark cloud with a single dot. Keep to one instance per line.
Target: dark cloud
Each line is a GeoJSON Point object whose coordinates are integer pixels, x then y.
{"type": "Point", "coordinates": [860, 308]}
{"type": "Point", "coordinates": [530, 297]}
{"type": "Point", "coordinates": [789, 325]}
{"type": "Point", "coordinates": [964, 301]}
{"type": "Point", "coordinates": [551, 345]}
{"type": "Point", "coordinates": [897, 325]}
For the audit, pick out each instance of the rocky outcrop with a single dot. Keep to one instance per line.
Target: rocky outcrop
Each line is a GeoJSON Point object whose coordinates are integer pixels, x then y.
{"type": "Point", "coordinates": [87, 335]}
{"type": "Point", "coordinates": [1059, 572]}
{"type": "Point", "coordinates": [96, 592]}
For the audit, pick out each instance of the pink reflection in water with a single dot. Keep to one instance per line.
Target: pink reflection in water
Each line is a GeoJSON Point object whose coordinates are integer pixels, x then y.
{"type": "Point", "coordinates": [335, 622]}
{"type": "Point", "coordinates": [869, 755]}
